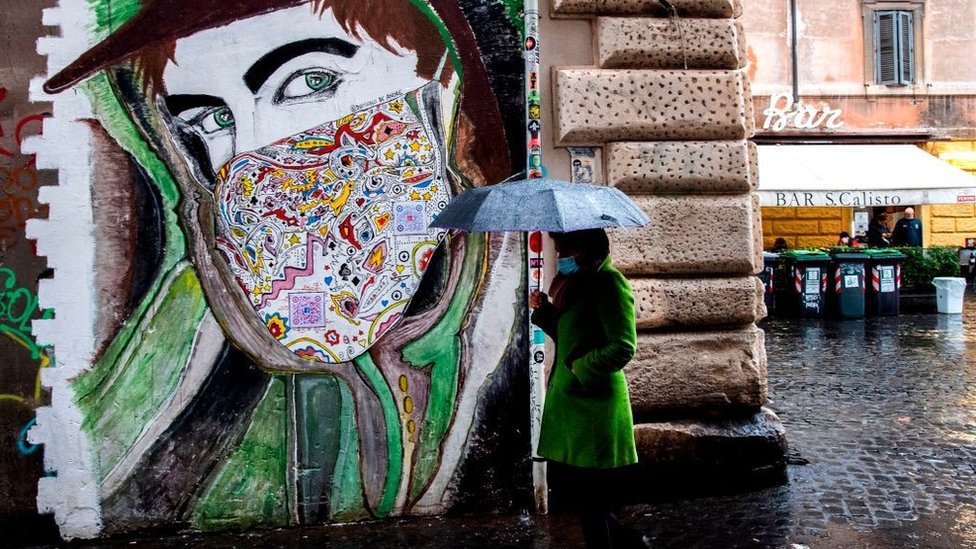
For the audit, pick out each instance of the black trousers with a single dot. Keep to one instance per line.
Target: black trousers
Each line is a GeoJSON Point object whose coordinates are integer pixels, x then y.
{"type": "Point", "coordinates": [592, 495]}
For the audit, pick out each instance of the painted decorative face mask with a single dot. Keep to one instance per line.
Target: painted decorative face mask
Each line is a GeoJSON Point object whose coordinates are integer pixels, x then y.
{"type": "Point", "coordinates": [326, 231]}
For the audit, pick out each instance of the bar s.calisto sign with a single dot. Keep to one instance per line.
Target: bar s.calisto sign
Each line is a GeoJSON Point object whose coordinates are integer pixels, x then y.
{"type": "Point", "coordinates": [857, 199]}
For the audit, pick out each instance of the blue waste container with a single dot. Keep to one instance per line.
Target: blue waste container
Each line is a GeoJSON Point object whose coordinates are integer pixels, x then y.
{"type": "Point", "coordinates": [848, 283]}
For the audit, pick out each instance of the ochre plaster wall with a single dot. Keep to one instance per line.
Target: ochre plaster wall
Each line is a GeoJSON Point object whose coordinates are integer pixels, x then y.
{"type": "Point", "coordinates": [951, 225]}
{"type": "Point", "coordinates": [948, 224]}
{"type": "Point", "coordinates": [804, 227]}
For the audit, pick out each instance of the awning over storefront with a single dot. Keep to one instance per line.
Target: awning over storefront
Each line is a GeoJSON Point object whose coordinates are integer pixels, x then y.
{"type": "Point", "coordinates": [859, 176]}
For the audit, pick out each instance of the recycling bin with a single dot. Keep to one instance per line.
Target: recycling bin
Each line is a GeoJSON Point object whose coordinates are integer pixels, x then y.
{"type": "Point", "coordinates": [804, 274]}
{"type": "Point", "coordinates": [884, 281]}
{"type": "Point", "coordinates": [767, 277]}
{"type": "Point", "coordinates": [949, 292]}
{"type": "Point", "coordinates": [849, 285]}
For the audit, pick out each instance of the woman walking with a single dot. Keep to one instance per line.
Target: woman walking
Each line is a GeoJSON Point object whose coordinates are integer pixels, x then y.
{"type": "Point", "coordinates": [587, 424]}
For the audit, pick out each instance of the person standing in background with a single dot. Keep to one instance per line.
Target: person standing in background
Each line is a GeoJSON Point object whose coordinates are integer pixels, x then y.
{"type": "Point", "coordinates": [908, 230]}
{"type": "Point", "coordinates": [845, 240]}
{"type": "Point", "coordinates": [878, 234]}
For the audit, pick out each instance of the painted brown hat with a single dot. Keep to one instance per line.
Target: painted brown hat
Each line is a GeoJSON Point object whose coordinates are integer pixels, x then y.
{"type": "Point", "coordinates": [156, 22]}
{"type": "Point", "coordinates": [161, 21]}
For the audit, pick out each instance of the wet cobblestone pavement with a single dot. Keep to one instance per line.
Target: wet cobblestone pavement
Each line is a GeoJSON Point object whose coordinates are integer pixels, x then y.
{"type": "Point", "coordinates": [883, 412]}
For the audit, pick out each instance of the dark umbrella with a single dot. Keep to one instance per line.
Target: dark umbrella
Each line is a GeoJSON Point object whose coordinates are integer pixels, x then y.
{"type": "Point", "coordinates": [541, 204]}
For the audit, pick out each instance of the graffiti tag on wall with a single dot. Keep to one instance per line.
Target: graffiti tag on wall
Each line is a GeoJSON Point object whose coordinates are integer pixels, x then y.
{"type": "Point", "coordinates": [18, 179]}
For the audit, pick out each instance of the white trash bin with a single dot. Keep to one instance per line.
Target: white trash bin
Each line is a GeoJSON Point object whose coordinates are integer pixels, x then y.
{"type": "Point", "coordinates": [948, 293]}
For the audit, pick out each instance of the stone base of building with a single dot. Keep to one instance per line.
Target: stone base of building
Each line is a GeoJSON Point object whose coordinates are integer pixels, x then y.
{"type": "Point", "coordinates": [694, 457]}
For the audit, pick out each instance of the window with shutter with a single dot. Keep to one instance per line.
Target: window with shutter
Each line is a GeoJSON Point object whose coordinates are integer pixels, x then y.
{"type": "Point", "coordinates": [894, 47]}
{"type": "Point", "coordinates": [906, 50]}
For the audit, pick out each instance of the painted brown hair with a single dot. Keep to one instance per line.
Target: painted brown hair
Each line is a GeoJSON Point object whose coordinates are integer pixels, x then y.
{"type": "Point", "coordinates": [385, 21]}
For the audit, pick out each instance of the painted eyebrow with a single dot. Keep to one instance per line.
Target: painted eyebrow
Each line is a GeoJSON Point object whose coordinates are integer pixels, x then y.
{"type": "Point", "coordinates": [263, 68]}
{"type": "Point", "coordinates": [178, 104]}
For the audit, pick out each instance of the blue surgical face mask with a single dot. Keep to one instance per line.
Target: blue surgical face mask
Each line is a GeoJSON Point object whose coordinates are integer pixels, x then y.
{"type": "Point", "coordinates": [567, 265]}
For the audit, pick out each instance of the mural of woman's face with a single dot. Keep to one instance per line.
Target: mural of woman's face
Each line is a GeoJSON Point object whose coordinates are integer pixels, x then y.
{"type": "Point", "coordinates": [327, 156]}
{"type": "Point", "coordinates": [254, 81]}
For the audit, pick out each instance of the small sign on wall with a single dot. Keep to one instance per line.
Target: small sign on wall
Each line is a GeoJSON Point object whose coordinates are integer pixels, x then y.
{"type": "Point", "coordinates": [861, 222]}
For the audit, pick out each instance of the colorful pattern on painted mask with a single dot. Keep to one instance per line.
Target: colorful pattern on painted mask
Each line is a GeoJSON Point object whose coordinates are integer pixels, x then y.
{"type": "Point", "coordinates": [327, 231]}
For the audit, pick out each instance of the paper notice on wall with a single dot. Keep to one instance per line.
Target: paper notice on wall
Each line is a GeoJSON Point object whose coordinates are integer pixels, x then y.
{"type": "Point", "coordinates": [861, 221]}
{"type": "Point", "coordinates": [583, 162]}
{"type": "Point", "coordinates": [812, 281]}
{"type": "Point", "coordinates": [887, 275]}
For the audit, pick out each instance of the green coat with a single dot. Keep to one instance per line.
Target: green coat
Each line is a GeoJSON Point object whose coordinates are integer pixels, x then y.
{"type": "Point", "coordinates": [587, 419]}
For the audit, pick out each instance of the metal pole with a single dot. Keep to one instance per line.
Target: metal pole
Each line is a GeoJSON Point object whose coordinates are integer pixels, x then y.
{"type": "Point", "coordinates": [794, 53]}
{"type": "Point", "coordinates": [533, 169]}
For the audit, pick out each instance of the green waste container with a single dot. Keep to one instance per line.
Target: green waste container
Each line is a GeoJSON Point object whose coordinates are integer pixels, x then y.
{"type": "Point", "coordinates": [805, 277]}
{"type": "Point", "coordinates": [884, 281]}
{"type": "Point", "coordinates": [848, 283]}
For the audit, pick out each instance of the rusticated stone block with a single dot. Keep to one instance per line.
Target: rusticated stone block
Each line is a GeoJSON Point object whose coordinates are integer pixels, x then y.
{"type": "Point", "coordinates": [831, 226]}
{"type": "Point", "coordinates": [728, 372]}
{"type": "Point", "coordinates": [774, 212]}
{"type": "Point", "coordinates": [598, 106]}
{"type": "Point", "coordinates": [815, 241]}
{"type": "Point", "coordinates": [796, 227]}
{"type": "Point", "coordinates": [965, 225]}
{"type": "Point", "coordinates": [750, 442]}
{"type": "Point", "coordinates": [952, 210]}
{"type": "Point", "coordinates": [943, 225]}
{"type": "Point", "coordinates": [818, 213]}
{"type": "Point", "coordinates": [645, 43]}
{"type": "Point", "coordinates": [684, 8]}
{"type": "Point", "coordinates": [690, 235]}
{"type": "Point", "coordinates": [757, 234]}
{"type": "Point", "coordinates": [697, 302]}
{"type": "Point", "coordinates": [664, 167]}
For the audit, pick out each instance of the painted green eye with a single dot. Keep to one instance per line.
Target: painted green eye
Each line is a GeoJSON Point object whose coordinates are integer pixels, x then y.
{"type": "Point", "coordinates": [223, 118]}
{"type": "Point", "coordinates": [308, 84]}
{"type": "Point", "coordinates": [317, 81]}
{"type": "Point", "coordinates": [213, 119]}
